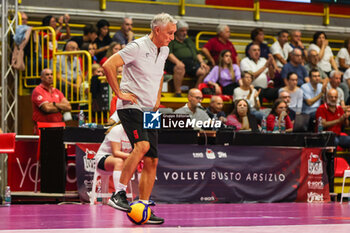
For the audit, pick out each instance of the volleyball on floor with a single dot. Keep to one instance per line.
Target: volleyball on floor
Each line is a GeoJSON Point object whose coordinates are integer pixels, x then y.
{"type": "Point", "coordinates": [140, 212]}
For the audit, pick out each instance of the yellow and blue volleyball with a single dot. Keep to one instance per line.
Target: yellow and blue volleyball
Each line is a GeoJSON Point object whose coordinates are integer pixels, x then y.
{"type": "Point", "coordinates": [140, 212]}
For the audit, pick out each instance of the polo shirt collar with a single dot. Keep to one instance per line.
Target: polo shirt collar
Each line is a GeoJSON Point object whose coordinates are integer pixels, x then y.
{"type": "Point", "coordinates": [49, 90]}
{"type": "Point", "coordinates": [151, 44]}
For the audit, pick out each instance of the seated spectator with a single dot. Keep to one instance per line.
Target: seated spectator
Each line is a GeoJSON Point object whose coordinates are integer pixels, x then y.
{"type": "Point", "coordinates": [279, 110]}
{"type": "Point", "coordinates": [313, 60]}
{"type": "Point", "coordinates": [258, 37]}
{"type": "Point", "coordinates": [51, 21]}
{"type": "Point", "coordinates": [260, 67]}
{"type": "Point", "coordinates": [295, 66]}
{"type": "Point", "coordinates": [114, 47]}
{"type": "Point", "coordinates": [334, 118]}
{"type": "Point", "coordinates": [47, 101]}
{"type": "Point", "coordinates": [325, 54]}
{"type": "Point", "coordinates": [184, 59]}
{"type": "Point", "coordinates": [193, 106]}
{"type": "Point", "coordinates": [225, 75]}
{"type": "Point", "coordinates": [24, 18]}
{"type": "Point", "coordinates": [69, 71]}
{"type": "Point", "coordinates": [214, 110]}
{"type": "Point", "coordinates": [280, 49]}
{"type": "Point", "coordinates": [241, 117]}
{"type": "Point", "coordinates": [248, 92]}
{"type": "Point", "coordinates": [345, 85]}
{"type": "Point", "coordinates": [91, 48]}
{"type": "Point", "coordinates": [285, 96]}
{"type": "Point", "coordinates": [313, 92]}
{"type": "Point", "coordinates": [103, 39]}
{"type": "Point", "coordinates": [96, 70]}
{"type": "Point", "coordinates": [295, 42]}
{"type": "Point", "coordinates": [90, 35]}
{"type": "Point", "coordinates": [214, 46]}
{"type": "Point", "coordinates": [334, 82]}
{"type": "Point", "coordinates": [295, 92]}
{"type": "Point", "coordinates": [343, 57]}
{"type": "Point", "coordinates": [125, 34]}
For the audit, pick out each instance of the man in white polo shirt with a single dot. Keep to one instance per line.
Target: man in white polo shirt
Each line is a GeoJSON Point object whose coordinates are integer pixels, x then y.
{"type": "Point", "coordinates": [139, 91]}
{"type": "Point", "coordinates": [260, 67]}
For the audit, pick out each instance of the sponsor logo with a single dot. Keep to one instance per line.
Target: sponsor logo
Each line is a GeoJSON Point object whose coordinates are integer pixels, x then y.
{"type": "Point", "coordinates": [222, 155]}
{"type": "Point", "coordinates": [315, 165]}
{"type": "Point", "coordinates": [315, 184]}
{"type": "Point", "coordinates": [210, 154]}
{"type": "Point", "coordinates": [183, 121]}
{"type": "Point", "coordinates": [151, 120]}
{"type": "Point", "coordinates": [198, 155]}
{"type": "Point", "coordinates": [211, 198]}
{"type": "Point", "coordinates": [314, 197]}
{"type": "Point", "coordinates": [136, 135]}
{"type": "Point", "coordinates": [89, 160]}
{"type": "Point", "coordinates": [40, 97]}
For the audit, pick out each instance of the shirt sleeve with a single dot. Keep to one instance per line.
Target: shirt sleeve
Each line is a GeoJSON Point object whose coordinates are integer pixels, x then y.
{"type": "Point", "coordinates": [342, 53]}
{"type": "Point", "coordinates": [245, 66]}
{"type": "Point", "coordinates": [130, 52]}
{"type": "Point", "coordinates": [208, 45]}
{"type": "Point", "coordinates": [284, 71]}
{"type": "Point", "coordinates": [289, 124]}
{"type": "Point", "coordinates": [38, 99]}
{"type": "Point", "coordinates": [320, 113]}
{"type": "Point", "coordinates": [237, 72]}
{"type": "Point", "coordinates": [299, 99]}
{"type": "Point", "coordinates": [270, 122]}
{"type": "Point", "coordinates": [232, 120]}
{"type": "Point", "coordinates": [274, 49]}
{"type": "Point", "coordinates": [213, 76]}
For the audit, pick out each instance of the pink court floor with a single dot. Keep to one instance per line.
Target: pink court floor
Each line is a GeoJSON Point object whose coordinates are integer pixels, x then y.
{"type": "Point", "coordinates": [194, 218]}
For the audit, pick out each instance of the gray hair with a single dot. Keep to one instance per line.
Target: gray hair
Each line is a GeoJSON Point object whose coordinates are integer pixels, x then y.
{"type": "Point", "coordinates": [282, 91]}
{"type": "Point", "coordinates": [334, 72]}
{"type": "Point", "coordinates": [221, 28]}
{"type": "Point", "coordinates": [296, 49]}
{"type": "Point", "coordinates": [181, 24]}
{"type": "Point", "coordinates": [162, 19]}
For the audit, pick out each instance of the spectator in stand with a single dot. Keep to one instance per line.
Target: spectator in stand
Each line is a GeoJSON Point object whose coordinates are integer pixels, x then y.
{"type": "Point", "coordinates": [295, 66]}
{"type": "Point", "coordinates": [325, 54]}
{"type": "Point", "coordinates": [313, 92]}
{"type": "Point", "coordinates": [334, 82]}
{"type": "Point", "coordinates": [90, 35]}
{"type": "Point", "coordinates": [279, 110]}
{"type": "Point", "coordinates": [91, 48]}
{"type": "Point", "coordinates": [345, 85]}
{"type": "Point", "coordinates": [24, 18]}
{"type": "Point", "coordinates": [280, 49]}
{"type": "Point", "coordinates": [69, 71]}
{"type": "Point", "coordinates": [184, 59]}
{"type": "Point", "coordinates": [313, 60]}
{"type": "Point", "coordinates": [193, 106]}
{"type": "Point", "coordinates": [248, 92]}
{"type": "Point", "coordinates": [241, 118]}
{"type": "Point", "coordinates": [295, 93]}
{"type": "Point", "coordinates": [96, 70]}
{"type": "Point", "coordinates": [284, 95]}
{"type": "Point", "coordinates": [260, 67]}
{"type": "Point", "coordinates": [103, 39]}
{"type": "Point", "coordinates": [225, 75]}
{"type": "Point", "coordinates": [295, 42]}
{"type": "Point", "coordinates": [47, 101]}
{"type": "Point", "coordinates": [1, 131]}
{"type": "Point", "coordinates": [214, 46]}
{"type": "Point", "coordinates": [51, 21]}
{"type": "Point", "coordinates": [125, 34]}
{"type": "Point", "coordinates": [343, 57]}
{"type": "Point", "coordinates": [214, 110]}
{"type": "Point", "coordinates": [114, 47]}
{"type": "Point", "coordinates": [258, 36]}
{"type": "Point", "coordinates": [334, 118]}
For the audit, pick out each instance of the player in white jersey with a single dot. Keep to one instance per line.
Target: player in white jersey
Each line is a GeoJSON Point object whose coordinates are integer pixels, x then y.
{"type": "Point", "coordinates": [140, 90]}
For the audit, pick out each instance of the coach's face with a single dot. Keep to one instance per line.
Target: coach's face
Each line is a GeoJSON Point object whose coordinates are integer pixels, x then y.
{"type": "Point", "coordinates": [165, 34]}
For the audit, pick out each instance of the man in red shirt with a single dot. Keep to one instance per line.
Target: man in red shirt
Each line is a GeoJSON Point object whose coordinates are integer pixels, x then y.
{"type": "Point", "coordinates": [334, 117]}
{"type": "Point", "coordinates": [47, 101]}
{"type": "Point", "coordinates": [221, 42]}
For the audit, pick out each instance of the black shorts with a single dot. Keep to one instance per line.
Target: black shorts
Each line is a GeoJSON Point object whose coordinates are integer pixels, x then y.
{"type": "Point", "coordinates": [191, 67]}
{"type": "Point", "coordinates": [101, 163]}
{"type": "Point", "coordinates": [132, 121]}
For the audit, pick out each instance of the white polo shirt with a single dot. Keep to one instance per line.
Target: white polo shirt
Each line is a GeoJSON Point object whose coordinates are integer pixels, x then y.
{"type": "Point", "coordinates": [284, 52]}
{"type": "Point", "coordinates": [248, 64]}
{"type": "Point", "coordinates": [142, 72]}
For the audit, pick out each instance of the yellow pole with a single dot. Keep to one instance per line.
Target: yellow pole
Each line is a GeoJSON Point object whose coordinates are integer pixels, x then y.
{"type": "Point", "coordinates": [256, 10]}
{"type": "Point", "coordinates": [326, 14]}
{"type": "Point", "coordinates": [182, 10]}
{"type": "Point", "coordinates": [102, 5]}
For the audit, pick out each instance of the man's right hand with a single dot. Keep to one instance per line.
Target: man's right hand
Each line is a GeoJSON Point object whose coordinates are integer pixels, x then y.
{"type": "Point", "coordinates": [128, 97]}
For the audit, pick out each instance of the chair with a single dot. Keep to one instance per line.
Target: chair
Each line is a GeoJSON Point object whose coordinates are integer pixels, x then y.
{"type": "Point", "coordinates": [342, 169]}
{"type": "Point", "coordinates": [7, 143]}
{"type": "Point", "coordinates": [41, 125]}
{"type": "Point", "coordinates": [104, 186]}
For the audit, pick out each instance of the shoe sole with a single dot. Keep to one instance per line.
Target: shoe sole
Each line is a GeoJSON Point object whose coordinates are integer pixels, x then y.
{"type": "Point", "coordinates": [154, 222]}
{"type": "Point", "coordinates": [112, 204]}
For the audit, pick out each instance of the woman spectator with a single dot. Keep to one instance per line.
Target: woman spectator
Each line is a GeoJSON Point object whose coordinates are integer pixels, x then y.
{"type": "Point", "coordinates": [225, 75]}
{"type": "Point", "coordinates": [343, 56]}
{"type": "Point", "coordinates": [241, 117]}
{"type": "Point", "coordinates": [113, 48]}
{"type": "Point", "coordinates": [320, 45]}
{"type": "Point", "coordinates": [103, 39]}
{"type": "Point", "coordinates": [51, 21]}
{"type": "Point", "coordinates": [295, 92]}
{"type": "Point", "coordinates": [91, 48]}
{"type": "Point", "coordinates": [279, 110]}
